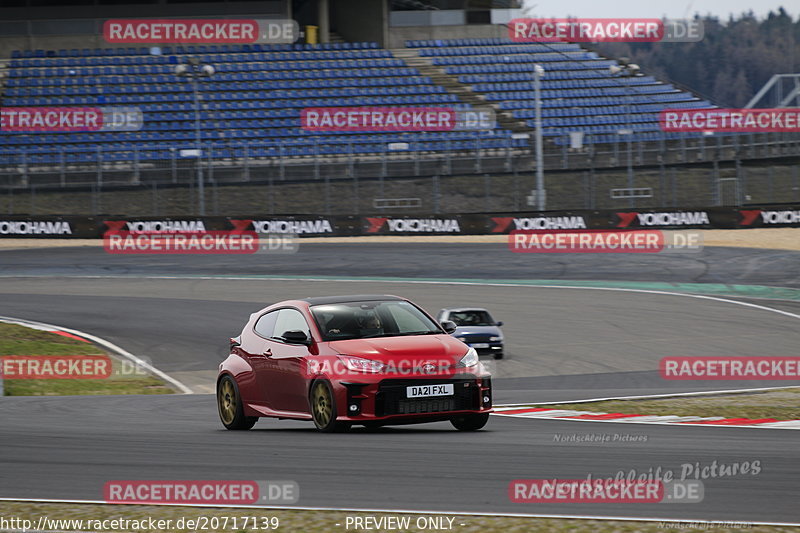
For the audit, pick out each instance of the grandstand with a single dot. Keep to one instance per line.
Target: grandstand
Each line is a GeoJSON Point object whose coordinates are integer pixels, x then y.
{"type": "Point", "coordinates": [252, 104]}
{"type": "Point", "coordinates": [253, 100]}
{"type": "Point", "coordinates": [579, 92]}
{"type": "Point", "coordinates": [250, 110]}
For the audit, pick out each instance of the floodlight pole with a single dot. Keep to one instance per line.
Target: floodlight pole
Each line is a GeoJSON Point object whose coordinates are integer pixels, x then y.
{"type": "Point", "coordinates": [632, 201]}
{"type": "Point", "coordinates": [538, 72]}
{"type": "Point", "coordinates": [193, 69]}
{"type": "Point", "coordinates": [627, 69]}
{"type": "Point", "coordinates": [201, 193]}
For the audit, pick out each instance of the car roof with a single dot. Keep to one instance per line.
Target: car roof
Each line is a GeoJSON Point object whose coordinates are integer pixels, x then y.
{"type": "Point", "coordinates": [321, 300]}
{"type": "Point", "coordinates": [462, 309]}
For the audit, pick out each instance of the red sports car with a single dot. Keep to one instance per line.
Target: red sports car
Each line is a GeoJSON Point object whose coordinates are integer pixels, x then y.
{"type": "Point", "coordinates": [344, 360]}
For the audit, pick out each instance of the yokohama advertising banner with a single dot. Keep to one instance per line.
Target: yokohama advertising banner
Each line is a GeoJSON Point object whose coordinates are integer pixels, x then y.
{"type": "Point", "coordinates": [77, 227]}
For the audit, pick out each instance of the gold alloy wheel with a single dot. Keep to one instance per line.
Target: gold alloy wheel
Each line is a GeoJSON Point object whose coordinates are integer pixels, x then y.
{"type": "Point", "coordinates": [227, 402]}
{"type": "Point", "coordinates": [321, 404]}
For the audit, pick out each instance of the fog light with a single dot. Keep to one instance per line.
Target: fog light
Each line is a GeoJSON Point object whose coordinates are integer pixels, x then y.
{"type": "Point", "coordinates": [485, 399]}
{"type": "Point", "coordinates": [354, 407]}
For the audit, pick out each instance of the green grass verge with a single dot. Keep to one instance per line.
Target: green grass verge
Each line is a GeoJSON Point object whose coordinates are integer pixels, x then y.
{"type": "Point", "coordinates": [780, 404]}
{"type": "Point", "coordinates": [19, 340]}
{"type": "Point", "coordinates": [325, 521]}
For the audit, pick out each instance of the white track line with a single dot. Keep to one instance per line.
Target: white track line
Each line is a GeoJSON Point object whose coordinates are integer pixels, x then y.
{"type": "Point", "coordinates": [771, 425]}
{"type": "Point", "coordinates": [431, 282]}
{"type": "Point", "coordinates": [104, 343]}
{"type": "Point", "coordinates": [426, 282]}
{"type": "Point", "coordinates": [648, 396]}
{"type": "Point", "coordinates": [662, 420]}
{"type": "Point", "coordinates": [416, 512]}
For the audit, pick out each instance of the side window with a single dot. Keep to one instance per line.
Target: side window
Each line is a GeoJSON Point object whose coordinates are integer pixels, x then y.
{"type": "Point", "coordinates": [289, 320]}
{"type": "Point", "coordinates": [266, 324]}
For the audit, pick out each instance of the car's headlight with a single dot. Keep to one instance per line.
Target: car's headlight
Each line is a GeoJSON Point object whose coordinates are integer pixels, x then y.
{"type": "Point", "coordinates": [469, 359]}
{"type": "Point", "coordinates": [359, 364]}
{"type": "Point", "coordinates": [495, 339]}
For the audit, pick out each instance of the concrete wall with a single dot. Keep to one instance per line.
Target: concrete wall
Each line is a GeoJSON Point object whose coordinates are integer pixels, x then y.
{"type": "Point", "coordinates": [360, 20]}
{"type": "Point", "coordinates": [179, 10]}
{"type": "Point", "coordinates": [504, 16]}
{"type": "Point", "coordinates": [51, 42]}
{"type": "Point", "coordinates": [399, 36]}
{"type": "Point", "coordinates": [82, 26]}
{"type": "Point", "coordinates": [87, 34]}
{"type": "Point", "coordinates": [453, 17]}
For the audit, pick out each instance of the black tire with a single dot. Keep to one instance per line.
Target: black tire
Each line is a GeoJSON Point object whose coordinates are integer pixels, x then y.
{"type": "Point", "coordinates": [230, 408]}
{"type": "Point", "coordinates": [322, 405]}
{"type": "Point", "coordinates": [498, 355]}
{"type": "Point", "coordinates": [470, 422]}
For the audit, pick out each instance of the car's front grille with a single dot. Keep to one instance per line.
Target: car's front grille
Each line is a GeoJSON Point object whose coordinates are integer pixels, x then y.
{"type": "Point", "coordinates": [475, 338]}
{"type": "Point", "coordinates": [391, 397]}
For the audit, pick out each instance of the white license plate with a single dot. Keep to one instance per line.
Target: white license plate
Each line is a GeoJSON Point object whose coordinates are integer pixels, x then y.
{"type": "Point", "coordinates": [421, 391]}
{"type": "Point", "coordinates": [480, 345]}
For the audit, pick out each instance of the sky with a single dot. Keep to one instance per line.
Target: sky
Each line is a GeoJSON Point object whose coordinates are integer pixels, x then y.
{"type": "Point", "coordinates": [650, 9]}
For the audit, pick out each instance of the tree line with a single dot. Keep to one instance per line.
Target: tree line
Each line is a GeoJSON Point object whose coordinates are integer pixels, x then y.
{"type": "Point", "coordinates": [732, 62]}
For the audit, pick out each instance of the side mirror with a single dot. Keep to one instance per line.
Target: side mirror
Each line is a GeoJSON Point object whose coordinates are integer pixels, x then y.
{"type": "Point", "coordinates": [449, 326]}
{"type": "Point", "coordinates": [296, 336]}
{"type": "Point", "coordinates": [499, 324]}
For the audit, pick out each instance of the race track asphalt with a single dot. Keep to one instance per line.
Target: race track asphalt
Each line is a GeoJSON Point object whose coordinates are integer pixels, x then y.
{"type": "Point", "coordinates": [564, 343]}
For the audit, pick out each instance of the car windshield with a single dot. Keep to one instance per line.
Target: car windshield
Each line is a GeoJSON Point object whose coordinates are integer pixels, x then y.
{"type": "Point", "coordinates": [371, 319]}
{"type": "Point", "coordinates": [472, 318]}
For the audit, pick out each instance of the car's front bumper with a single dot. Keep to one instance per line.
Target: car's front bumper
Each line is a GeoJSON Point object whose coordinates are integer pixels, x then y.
{"type": "Point", "coordinates": [482, 344]}
{"type": "Point", "coordinates": [486, 348]}
{"type": "Point", "coordinates": [493, 348]}
{"type": "Point", "coordinates": [386, 400]}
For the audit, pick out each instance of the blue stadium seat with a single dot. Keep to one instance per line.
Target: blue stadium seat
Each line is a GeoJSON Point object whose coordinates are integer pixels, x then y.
{"type": "Point", "coordinates": [258, 92]}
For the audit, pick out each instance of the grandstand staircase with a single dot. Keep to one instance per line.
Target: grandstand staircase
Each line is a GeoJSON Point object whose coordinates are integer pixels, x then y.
{"type": "Point", "coordinates": [3, 76]}
{"type": "Point", "coordinates": [334, 37]}
{"type": "Point", "coordinates": [463, 92]}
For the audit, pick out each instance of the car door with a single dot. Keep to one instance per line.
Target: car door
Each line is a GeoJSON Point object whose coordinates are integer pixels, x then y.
{"type": "Point", "coordinates": [259, 351]}
{"type": "Point", "coordinates": [288, 385]}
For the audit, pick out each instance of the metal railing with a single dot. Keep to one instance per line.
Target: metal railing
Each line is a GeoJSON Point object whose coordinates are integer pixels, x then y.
{"type": "Point", "coordinates": [715, 170]}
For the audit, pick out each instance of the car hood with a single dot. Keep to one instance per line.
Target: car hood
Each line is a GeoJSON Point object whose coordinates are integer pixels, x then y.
{"type": "Point", "coordinates": [418, 348]}
{"type": "Point", "coordinates": [477, 330]}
